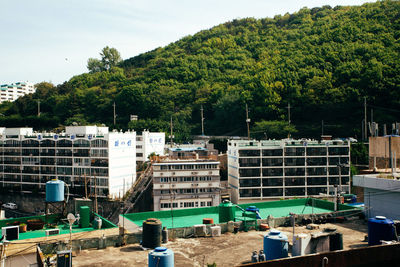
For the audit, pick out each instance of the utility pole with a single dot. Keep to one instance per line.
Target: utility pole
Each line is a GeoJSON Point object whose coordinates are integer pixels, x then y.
{"type": "Point", "coordinates": [322, 127]}
{"type": "Point", "coordinates": [115, 116]}
{"type": "Point", "coordinates": [95, 195]}
{"type": "Point", "coordinates": [86, 196]}
{"type": "Point", "coordinates": [248, 122]}
{"type": "Point", "coordinates": [171, 135]}
{"type": "Point", "coordinates": [288, 107]}
{"type": "Point", "coordinates": [365, 118]}
{"type": "Point", "coordinates": [372, 116]}
{"type": "Point", "coordinates": [38, 108]}
{"type": "Point", "coordinates": [202, 121]}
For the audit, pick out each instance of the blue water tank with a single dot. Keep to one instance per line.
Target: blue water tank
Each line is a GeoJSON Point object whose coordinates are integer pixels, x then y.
{"type": "Point", "coordinates": [54, 191]}
{"type": "Point", "coordinates": [380, 228]}
{"type": "Point", "coordinates": [275, 245]}
{"type": "Point", "coordinates": [161, 257]}
{"type": "Point", "coordinates": [255, 210]}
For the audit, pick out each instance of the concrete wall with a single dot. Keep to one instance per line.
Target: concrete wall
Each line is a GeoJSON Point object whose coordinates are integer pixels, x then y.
{"type": "Point", "coordinates": [387, 255]}
{"type": "Point", "coordinates": [380, 149]}
{"type": "Point", "coordinates": [382, 203]}
{"type": "Point", "coordinates": [26, 260]}
{"type": "Point", "coordinates": [381, 195]}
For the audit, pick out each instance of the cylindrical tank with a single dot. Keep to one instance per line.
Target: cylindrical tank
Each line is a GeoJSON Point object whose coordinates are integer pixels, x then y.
{"type": "Point", "coordinates": [151, 235]}
{"type": "Point", "coordinates": [254, 257]}
{"type": "Point", "coordinates": [165, 235]}
{"type": "Point", "coordinates": [97, 222]}
{"type": "Point", "coordinates": [335, 241]}
{"type": "Point", "coordinates": [380, 228]}
{"type": "Point", "coordinates": [54, 191]}
{"type": "Point", "coordinates": [261, 256]}
{"type": "Point", "coordinates": [161, 257]}
{"type": "Point", "coordinates": [226, 211]}
{"type": "Point", "coordinates": [84, 212]}
{"type": "Point", "coordinates": [275, 245]}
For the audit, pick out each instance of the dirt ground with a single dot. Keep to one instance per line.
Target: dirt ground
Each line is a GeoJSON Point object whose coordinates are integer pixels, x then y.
{"type": "Point", "coordinates": [227, 250]}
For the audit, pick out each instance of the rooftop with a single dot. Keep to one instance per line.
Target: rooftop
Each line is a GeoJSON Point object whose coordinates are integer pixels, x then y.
{"type": "Point", "coordinates": [51, 222]}
{"type": "Point", "coordinates": [189, 217]}
{"type": "Point", "coordinates": [287, 142]}
{"type": "Point", "coordinates": [227, 250]}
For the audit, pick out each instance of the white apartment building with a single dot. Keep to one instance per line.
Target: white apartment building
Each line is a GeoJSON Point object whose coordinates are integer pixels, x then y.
{"type": "Point", "coordinates": [105, 161]}
{"type": "Point", "coordinates": [10, 92]}
{"type": "Point", "coordinates": [274, 169]}
{"type": "Point", "coordinates": [187, 180]}
{"type": "Point", "coordinates": [149, 142]}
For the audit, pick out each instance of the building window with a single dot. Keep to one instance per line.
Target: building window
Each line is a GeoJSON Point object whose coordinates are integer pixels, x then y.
{"type": "Point", "coordinates": [249, 172]}
{"type": "Point", "coordinates": [249, 162]}
{"type": "Point", "coordinates": [316, 151]}
{"type": "Point", "coordinates": [272, 152]}
{"type": "Point", "coordinates": [250, 182]}
{"type": "Point", "coordinates": [272, 181]}
{"type": "Point", "coordinates": [294, 151]}
{"type": "Point", "coordinates": [272, 192]}
{"type": "Point", "coordinates": [249, 153]}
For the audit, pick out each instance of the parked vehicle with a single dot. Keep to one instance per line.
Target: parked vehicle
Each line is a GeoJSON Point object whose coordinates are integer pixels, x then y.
{"type": "Point", "coordinates": [11, 206]}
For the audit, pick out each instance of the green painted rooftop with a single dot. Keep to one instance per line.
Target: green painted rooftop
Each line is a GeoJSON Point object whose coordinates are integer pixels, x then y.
{"type": "Point", "coordinates": [51, 222]}
{"type": "Point", "coordinates": [188, 217]}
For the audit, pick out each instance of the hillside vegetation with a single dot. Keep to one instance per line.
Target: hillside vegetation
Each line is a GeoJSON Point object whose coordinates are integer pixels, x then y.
{"type": "Point", "coordinates": [321, 61]}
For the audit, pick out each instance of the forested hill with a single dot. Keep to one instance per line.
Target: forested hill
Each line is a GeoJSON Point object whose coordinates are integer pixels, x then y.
{"type": "Point", "coordinates": [321, 61]}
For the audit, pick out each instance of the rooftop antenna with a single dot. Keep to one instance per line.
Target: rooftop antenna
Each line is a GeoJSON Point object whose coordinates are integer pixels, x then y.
{"type": "Point", "coordinates": [38, 108]}
{"type": "Point", "coordinates": [365, 119]}
{"type": "Point", "coordinates": [171, 136]}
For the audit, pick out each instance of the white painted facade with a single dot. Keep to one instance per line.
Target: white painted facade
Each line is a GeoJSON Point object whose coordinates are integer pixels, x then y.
{"type": "Point", "coordinates": [82, 154]}
{"type": "Point", "coordinates": [11, 92]}
{"type": "Point", "coordinates": [274, 169]}
{"type": "Point", "coordinates": [381, 195]}
{"type": "Point", "coordinates": [149, 142]}
{"type": "Point", "coordinates": [186, 184]}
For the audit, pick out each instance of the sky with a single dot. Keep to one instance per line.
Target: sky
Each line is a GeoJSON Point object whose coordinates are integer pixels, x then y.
{"type": "Point", "coordinates": [47, 40]}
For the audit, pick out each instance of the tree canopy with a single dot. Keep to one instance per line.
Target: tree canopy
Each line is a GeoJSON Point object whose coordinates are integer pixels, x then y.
{"type": "Point", "coordinates": [322, 61]}
{"type": "Point", "coordinates": [110, 57]}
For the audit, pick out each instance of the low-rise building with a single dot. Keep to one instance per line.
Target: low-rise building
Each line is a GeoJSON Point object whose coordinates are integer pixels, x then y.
{"type": "Point", "coordinates": [186, 179]}
{"type": "Point", "coordinates": [82, 155]}
{"type": "Point", "coordinates": [381, 194]}
{"type": "Point", "coordinates": [11, 92]}
{"type": "Point", "coordinates": [274, 169]}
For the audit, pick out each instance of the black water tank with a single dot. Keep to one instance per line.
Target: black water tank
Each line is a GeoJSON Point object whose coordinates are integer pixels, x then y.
{"type": "Point", "coordinates": [336, 241]}
{"type": "Point", "coordinates": [151, 236]}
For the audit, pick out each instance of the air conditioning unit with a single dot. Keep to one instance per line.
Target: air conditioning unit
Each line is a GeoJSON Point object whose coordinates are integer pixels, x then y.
{"type": "Point", "coordinates": [10, 232]}
{"type": "Point", "coordinates": [173, 173]}
{"type": "Point", "coordinates": [173, 185]}
{"type": "Point", "coordinates": [161, 174]}
{"type": "Point", "coordinates": [161, 185]}
{"type": "Point", "coordinates": [52, 232]}
{"type": "Point", "coordinates": [210, 172]}
{"type": "Point", "coordinates": [215, 230]}
{"type": "Point", "coordinates": [194, 172]}
{"type": "Point", "coordinates": [199, 230]}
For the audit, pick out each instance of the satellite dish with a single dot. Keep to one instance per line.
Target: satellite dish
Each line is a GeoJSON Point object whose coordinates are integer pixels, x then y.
{"type": "Point", "coordinates": [71, 218]}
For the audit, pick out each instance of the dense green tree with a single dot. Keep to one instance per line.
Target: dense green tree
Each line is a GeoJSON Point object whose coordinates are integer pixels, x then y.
{"type": "Point", "coordinates": [110, 57]}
